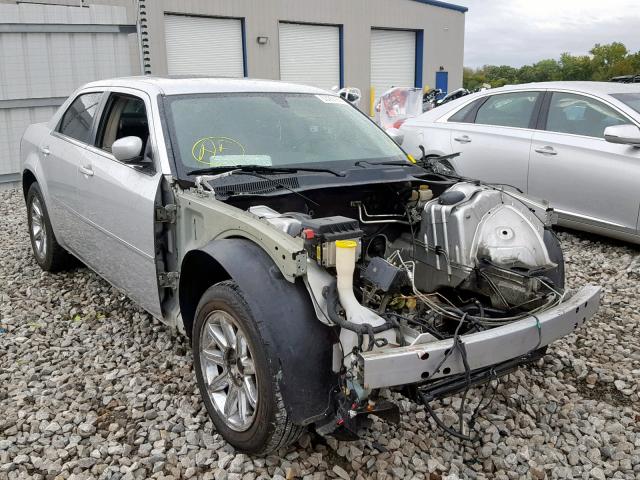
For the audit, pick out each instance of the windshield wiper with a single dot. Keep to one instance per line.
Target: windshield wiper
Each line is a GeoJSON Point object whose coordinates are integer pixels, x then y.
{"type": "Point", "coordinates": [265, 169]}
{"type": "Point", "coordinates": [400, 163]}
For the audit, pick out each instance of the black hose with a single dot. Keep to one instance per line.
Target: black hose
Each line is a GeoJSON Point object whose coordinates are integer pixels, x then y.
{"type": "Point", "coordinates": [333, 302]}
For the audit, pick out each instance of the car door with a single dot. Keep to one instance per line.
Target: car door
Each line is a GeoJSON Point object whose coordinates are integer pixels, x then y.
{"type": "Point", "coordinates": [118, 200]}
{"type": "Point", "coordinates": [494, 138]}
{"type": "Point", "coordinates": [61, 153]}
{"type": "Point", "coordinates": [584, 177]}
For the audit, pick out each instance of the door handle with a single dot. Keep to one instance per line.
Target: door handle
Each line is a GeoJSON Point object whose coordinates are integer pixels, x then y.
{"type": "Point", "coordinates": [86, 170]}
{"type": "Point", "coordinates": [547, 150]}
{"type": "Point", "coordinates": [45, 151]}
{"type": "Point", "coordinates": [463, 139]}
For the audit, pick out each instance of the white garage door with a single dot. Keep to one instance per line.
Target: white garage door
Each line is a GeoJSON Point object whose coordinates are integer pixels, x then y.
{"type": "Point", "coordinates": [310, 54]}
{"type": "Point", "coordinates": [393, 59]}
{"type": "Point", "coordinates": [204, 46]}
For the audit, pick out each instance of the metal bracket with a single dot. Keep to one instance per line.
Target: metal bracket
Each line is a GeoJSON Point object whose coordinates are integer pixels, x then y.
{"type": "Point", "coordinates": [168, 280]}
{"type": "Point", "coordinates": [166, 214]}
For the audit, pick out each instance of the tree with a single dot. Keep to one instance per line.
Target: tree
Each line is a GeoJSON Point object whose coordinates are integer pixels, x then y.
{"type": "Point", "coordinates": [604, 62]}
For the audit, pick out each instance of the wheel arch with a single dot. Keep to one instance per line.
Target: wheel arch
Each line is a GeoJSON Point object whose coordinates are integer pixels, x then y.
{"type": "Point", "coordinates": [198, 272]}
{"type": "Point", "coordinates": [28, 179]}
{"type": "Point", "coordinates": [284, 315]}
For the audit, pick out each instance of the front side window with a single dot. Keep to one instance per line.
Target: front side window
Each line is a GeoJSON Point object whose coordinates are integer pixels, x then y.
{"type": "Point", "coordinates": [630, 99]}
{"type": "Point", "coordinates": [580, 115]}
{"type": "Point", "coordinates": [508, 109]}
{"type": "Point", "coordinates": [78, 119]}
{"type": "Point", "coordinates": [125, 116]}
{"type": "Point", "coordinates": [273, 129]}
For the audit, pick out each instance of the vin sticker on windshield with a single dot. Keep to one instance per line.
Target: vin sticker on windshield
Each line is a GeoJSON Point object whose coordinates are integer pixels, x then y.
{"type": "Point", "coordinates": [331, 99]}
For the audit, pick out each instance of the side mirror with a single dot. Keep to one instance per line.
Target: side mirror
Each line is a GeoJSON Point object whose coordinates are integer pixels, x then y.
{"type": "Point", "coordinates": [396, 135]}
{"type": "Point", "coordinates": [127, 149]}
{"type": "Point", "coordinates": [623, 134]}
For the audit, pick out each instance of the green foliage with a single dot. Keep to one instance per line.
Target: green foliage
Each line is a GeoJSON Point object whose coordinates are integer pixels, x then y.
{"type": "Point", "coordinates": [604, 62]}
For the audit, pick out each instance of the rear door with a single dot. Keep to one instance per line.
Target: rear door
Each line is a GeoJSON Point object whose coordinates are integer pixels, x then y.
{"type": "Point", "coordinates": [61, 153]}
{"type": "Point", "coordinates": [117, 200]}
{"type": "Point", "coordinates": [495, 138]}
{"type": "Point", "coordinates": [584, 177]}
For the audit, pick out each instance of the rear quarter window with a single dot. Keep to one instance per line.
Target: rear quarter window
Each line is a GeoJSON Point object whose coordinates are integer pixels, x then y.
{"type": "Point", "coordinates": [461, 116]}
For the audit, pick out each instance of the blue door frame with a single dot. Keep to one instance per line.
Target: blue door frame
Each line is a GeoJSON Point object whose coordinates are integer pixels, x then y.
{"type": "Point", "coordinates": [442, 82]}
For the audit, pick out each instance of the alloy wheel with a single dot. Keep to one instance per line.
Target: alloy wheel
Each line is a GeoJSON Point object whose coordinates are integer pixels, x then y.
{"type": "Point", "coordinates": [38, 229]}
{"type": "Point", "coordinates": [228, 370]}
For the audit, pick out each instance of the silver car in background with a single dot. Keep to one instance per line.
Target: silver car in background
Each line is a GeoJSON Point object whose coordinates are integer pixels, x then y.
{"type": "Point", "coordinates": [574, 144]}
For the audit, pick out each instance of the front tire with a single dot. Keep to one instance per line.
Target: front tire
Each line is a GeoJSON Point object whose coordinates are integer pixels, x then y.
{"type": "Point", "coordinates": [46, 250]}
{"type": "Point", "coordinates": [233, 369]}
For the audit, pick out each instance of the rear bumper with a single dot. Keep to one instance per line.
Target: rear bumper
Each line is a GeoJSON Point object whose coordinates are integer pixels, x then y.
{"type": "Point", "coordinates": [417, 363]}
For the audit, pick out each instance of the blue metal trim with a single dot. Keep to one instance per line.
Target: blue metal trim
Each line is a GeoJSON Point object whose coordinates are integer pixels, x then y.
{"type": "Point", "coordinates": [244, 48]}
{"type": "Point", "coordinates": [438, 3]}
{"type": "Point", "coordinates": [419, 57]}
{"type": "Point", "coordinates": [341, 53]}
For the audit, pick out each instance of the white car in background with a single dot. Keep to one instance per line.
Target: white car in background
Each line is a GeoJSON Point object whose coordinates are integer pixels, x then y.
{"type": "Point", "coordinates": [575, 144]}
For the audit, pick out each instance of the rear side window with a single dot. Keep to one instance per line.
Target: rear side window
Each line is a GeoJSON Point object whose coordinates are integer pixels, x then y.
{"type": "Point", "coordinates": [461, 114]}
{"type": "Point", "coordinates": [580, 115]}
{"type": "Point", "coordinates": [78, 119]}
{"type": "Point", "coordinates": [508, 109]}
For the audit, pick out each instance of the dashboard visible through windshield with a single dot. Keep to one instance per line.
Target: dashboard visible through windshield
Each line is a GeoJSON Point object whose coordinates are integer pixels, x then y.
{"type": "Point", "coordinates": [272, 129]}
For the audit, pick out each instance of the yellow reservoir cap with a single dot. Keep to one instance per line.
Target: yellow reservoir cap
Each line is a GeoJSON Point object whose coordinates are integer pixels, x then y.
{"type": "Point", "coordinates": [346, 244]}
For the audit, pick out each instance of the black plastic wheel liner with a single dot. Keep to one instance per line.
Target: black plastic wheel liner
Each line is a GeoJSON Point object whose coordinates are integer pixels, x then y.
{"type": "Point", "coordinates": [555, 254]}
{"type": "Point", "coordinates": [287, 322]}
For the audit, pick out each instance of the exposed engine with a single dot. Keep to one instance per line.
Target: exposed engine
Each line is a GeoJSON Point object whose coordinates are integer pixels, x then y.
{"type": "Point", "coordinates": [472, 250]}
{"type": "Point", "coordinates": [468, 259]}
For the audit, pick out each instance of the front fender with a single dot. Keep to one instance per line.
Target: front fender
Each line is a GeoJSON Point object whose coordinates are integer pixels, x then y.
{"type": "Point", "coordinates": [287, 322]}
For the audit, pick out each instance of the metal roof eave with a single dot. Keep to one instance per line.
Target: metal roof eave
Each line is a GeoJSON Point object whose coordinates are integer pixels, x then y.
{"type": "Point", "coordinates": [438, 3]}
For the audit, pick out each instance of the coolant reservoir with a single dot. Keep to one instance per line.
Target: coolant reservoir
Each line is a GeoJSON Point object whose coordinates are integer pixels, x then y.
{"type": "Point", "coordinates": [425, 193]}
{"type": "Point", "coordinates": [356, 313]}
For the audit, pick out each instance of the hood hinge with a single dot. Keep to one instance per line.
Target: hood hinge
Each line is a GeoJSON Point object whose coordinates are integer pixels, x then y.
{"type": "Point", "coordinates": [168, 280]}
{"type": "Point", "coordinates": [166, 214]}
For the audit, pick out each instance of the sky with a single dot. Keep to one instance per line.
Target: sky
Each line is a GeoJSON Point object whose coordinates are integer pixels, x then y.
{"type": "Point", "coordinates": [520, 32]}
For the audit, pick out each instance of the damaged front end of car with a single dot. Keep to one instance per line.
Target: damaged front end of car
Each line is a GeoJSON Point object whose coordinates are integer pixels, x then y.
{"type": "Point", "coordinates": [450, 290]}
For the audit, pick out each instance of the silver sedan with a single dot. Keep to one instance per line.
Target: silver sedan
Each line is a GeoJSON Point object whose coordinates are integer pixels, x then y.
{"type": "Point", "coordinates": [575, 144]}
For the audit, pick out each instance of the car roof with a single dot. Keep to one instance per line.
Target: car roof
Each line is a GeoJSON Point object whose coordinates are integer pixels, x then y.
{"type": "Point", "coordinates": [587, 87]}
{"type": "Point", "coordinates": [176, 85]}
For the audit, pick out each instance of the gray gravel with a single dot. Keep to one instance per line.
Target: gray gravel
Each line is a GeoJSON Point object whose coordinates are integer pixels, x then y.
{"type": "Point", "coordinates": [93, 387]}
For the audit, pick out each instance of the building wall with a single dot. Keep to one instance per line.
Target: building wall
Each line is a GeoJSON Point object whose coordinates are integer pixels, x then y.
{"type": "Point", "coordinates": [443, 32]}
{"type": "Point", "coordinates": [47, 51]}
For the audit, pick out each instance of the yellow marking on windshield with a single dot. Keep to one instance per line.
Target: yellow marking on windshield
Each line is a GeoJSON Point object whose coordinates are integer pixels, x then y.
{"type": "Point", "coordinates": [205, 149]}
{"type": "Point", "coordinates": [411, 159]}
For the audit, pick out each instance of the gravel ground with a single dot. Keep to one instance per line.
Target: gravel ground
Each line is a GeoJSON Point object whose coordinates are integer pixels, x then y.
{"type": "Point", "coordinates": [93, 387]}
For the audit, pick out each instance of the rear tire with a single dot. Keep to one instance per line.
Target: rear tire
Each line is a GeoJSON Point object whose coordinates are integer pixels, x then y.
{"type": "Point", "coordinates": [233, 367]}
{"type": "Point", "coordinates": [46, 250]}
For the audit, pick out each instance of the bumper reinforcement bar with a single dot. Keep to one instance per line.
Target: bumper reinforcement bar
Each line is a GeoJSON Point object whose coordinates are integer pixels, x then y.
{"type": "Point", "coordinates": [417, 363]}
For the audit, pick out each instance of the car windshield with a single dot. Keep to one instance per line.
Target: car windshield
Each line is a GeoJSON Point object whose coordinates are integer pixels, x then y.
{"type": "Point", "coordinates": [631, 99]}
{"type": "Point", "coordinates": [272, 129]}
